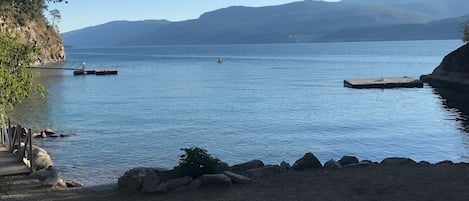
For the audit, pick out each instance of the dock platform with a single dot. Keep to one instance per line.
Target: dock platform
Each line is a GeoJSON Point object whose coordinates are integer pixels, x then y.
{"type": "Point", "coordinates": [99, 71]}
{"type": "Point", "coordinates": [9, 164]}
{"type": "Point", "coordinates": [384, 83]}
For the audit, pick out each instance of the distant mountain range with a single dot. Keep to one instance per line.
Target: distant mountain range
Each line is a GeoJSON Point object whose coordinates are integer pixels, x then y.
{"type": "Point", "coordinates": [304, 21]}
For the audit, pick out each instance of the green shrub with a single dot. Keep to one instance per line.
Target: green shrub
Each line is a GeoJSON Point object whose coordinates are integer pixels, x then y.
{"type": "Point", "coordinates": [196, 162]}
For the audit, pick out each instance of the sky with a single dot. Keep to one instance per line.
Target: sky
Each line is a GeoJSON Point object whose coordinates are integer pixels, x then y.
{"type": "Point", "coordinates": [77, 14]}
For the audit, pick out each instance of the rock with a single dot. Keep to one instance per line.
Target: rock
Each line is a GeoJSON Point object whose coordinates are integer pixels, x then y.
{"type": "Point", "coordinates": [308, 161]}
{"type": "Point", "coordinates": [398, 161]}
{"type": "Point", "coordinates": [163, 174]}
{"type": "Point", "coordinates": [195, 184]}
{"type": "Point", "coordinates": [332, 164]}
{"type": "Point", "coordinates": [150, 182]}
{"type": "Point", "coordinates": [73, 184]}
{"type": "Point", "coordinates": [172, 184]}
{"type": "Point", "coordinates": [53, 136]}
{"type": "Point", "coordinates": [453, 72]}
{"type": "Point", "coordinates": [241, 168]}
{"type": "Point", "coordinates": [49, 131]}
{"type": "Point", "coordinates": [42, 175]}
{"type": "Point", "coordinates": [447, 162]}
{"type": "Point", "coordinates": [237, 178]}
{"type": "Point", "coordinates": [36, 135]}
{"type": "Point", "coordinates": [64, 135]}
{"type": "Point", "coordinates": [424, 163]}
{"type": "Point", "coordinates": [42, 159]}
{"type": "Point", "coordinates": [285, 165]}
{"type": "Point", "coordinates": [43, 135]}
{"type": "Point", "coordinates": [54, 182]}
{"type": "Point", "coordinates": [132, 180]}
{"type": "Point", "coordinates": [216, 180]}
{"type": "Point", "coordinates": [264, 171]}
{"type": "Point", "coordinates": [348, 160]}
{"type": "Point", "coordinates": [222, 166]}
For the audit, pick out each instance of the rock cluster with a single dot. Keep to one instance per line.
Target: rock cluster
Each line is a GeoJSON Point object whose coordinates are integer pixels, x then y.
{"type": "Point", "coordinates": [158, 181]}
{"type": "Point", "coordinates": [48, 133]}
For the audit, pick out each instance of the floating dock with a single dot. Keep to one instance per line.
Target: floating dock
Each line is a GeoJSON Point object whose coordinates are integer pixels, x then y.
{"type": "Point", "coordinates": [99, 71]}
{"type": "Point", "coordinates": [383, 83]}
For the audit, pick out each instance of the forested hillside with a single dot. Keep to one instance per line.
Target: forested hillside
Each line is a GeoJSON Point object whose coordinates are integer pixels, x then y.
{"type": "Point", "coordinates": [25, 38]}
{"type": "Point", "coordinates": [25, 20]}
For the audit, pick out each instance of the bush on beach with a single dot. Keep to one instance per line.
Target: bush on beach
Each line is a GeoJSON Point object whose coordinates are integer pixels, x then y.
{"type": "Point", "coordinates": [196, 162]}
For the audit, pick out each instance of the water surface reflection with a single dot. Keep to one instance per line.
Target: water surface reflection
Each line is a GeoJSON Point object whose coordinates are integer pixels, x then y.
{"type": "Point", "coordinates": [457, 103]}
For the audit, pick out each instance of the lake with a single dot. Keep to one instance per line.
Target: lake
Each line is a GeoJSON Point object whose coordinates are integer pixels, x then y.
{"type": "Point", "coordinates": [272, 102]}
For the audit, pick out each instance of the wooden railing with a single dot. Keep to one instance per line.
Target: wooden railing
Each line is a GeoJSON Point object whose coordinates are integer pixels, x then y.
{"type": "Point", "coordinates": [18, 140]}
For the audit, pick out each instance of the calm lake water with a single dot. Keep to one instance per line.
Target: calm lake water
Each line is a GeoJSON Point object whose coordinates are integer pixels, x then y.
{"type": "Point", "coordinates": [272, 102]}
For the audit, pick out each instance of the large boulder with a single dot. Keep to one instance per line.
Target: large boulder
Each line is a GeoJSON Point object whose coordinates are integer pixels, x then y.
{"type": "Point", "coordinates": [265, 171]}
{"type": "Point", "coordinates": [243, 167]}
{"type": "Point", "coordinates": [133, 179]}
{"type": "Point", "coordinates": [216, 180]}
{"type": "Point", "coordinates": [41, 158]}
{"type": "Point", "coordinates": [170, 185]}
{"type": "Point", "coordinates": [308, 161]}
{"type": "Point", "coordinates": [453, 72]}
{"type": "Point", "coordinates": [237, 178]}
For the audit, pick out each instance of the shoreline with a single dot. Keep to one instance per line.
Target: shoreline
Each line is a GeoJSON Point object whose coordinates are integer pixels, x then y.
{"type": "Point", "coordinates": [419, 181]}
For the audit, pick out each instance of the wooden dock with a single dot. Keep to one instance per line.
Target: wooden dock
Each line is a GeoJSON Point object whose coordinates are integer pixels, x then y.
{"type": "Point", "coordinates": [10, 165]}
{"type": "Point", "coordinates": [99, 71]}
{"type": "Point", "coordinates": [383, 83]}
{"type": "Point", "coordinates": [16, 153]}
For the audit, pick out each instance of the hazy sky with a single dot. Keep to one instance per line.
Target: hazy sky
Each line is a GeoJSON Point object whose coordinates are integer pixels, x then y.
{"type": "Point", "coordinates": [83, 13]}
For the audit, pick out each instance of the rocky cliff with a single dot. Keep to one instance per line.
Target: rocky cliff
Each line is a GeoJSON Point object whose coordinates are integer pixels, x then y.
{"type": "Point", "coordinates": [453, 71]}
{"type": "Point", "coordinates": [37, 32]}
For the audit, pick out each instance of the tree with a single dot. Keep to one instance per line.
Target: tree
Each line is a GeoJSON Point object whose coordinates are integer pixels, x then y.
{"type": "Point", "coordinates": [56, 16]}
{"type": "Point", "coordinates": [15, 80]}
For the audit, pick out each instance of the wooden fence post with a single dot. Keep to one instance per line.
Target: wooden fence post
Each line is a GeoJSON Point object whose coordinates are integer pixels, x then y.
{"type": "Point", "coordinates": [1, 133]}
{"type": "Point", "coordinates": [10, 135]}
{"type": "Point", "coordinates": [18, 138]}
{"type": "Point", "coordinates": [31, 159]}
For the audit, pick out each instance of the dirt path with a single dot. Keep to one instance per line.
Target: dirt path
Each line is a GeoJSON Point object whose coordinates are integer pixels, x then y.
{"type": "Point", "coordinates": [377, 183]}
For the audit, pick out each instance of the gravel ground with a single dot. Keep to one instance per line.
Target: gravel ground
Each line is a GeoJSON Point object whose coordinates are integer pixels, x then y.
{"type": "Point", "coordinates": [372, 183]}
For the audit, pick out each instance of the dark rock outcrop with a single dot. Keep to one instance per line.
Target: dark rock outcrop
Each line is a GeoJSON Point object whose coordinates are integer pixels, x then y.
{"type": "Point", "coordinates": [308, 161]}
{"type": "Point", "coordinates": [348, 160]}
{"type": "Point", "coordinates": [453, 72]}
{"type": "Point", "coordinates": [398, 161]}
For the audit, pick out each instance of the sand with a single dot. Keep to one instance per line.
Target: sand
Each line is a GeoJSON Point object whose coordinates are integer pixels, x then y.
{"type": "Point", "coordinates": [443, 182]}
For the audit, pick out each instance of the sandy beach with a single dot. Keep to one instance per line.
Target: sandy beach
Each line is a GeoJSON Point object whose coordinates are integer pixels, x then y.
{"type": "Point", "coordinates": [362, 183]}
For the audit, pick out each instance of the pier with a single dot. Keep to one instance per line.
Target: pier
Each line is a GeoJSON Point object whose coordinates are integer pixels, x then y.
{"type": "Point", "coordinates": [82, 70]}
{"type": "Point", "coordinates": [99, 71]}
{"type": "Point", "coordinates": [384, 83]}
{"type": "Point", "coordinates": [15, 150]}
